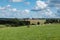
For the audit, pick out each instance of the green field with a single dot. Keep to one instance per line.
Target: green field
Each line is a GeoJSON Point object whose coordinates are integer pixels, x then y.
{"type": "Point", "coordinates": [41, 32]}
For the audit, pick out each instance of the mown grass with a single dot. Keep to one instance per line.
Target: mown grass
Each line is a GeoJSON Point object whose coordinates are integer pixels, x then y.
{"type": "Point", "coordinates": [41, 32]}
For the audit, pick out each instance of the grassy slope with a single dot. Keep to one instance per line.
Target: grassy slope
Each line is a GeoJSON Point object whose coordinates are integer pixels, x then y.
{"type": "Point", "coordinates": [46, 32]}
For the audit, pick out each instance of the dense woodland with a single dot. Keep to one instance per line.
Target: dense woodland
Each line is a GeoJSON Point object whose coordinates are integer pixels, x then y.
{"type": "Point", "coordinates": [13, 22]}
{"type": "Point", "coordinates": [22, 22]}
{"type": "Point", "coordinates": [52, 21]}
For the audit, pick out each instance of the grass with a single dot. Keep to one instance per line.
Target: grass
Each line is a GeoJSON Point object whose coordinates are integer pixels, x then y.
{"type": "Point", "coordinates": [41, 32]}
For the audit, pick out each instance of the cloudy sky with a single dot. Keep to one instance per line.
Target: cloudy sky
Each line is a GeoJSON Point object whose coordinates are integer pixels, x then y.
{"type": "Point", "coordinates": [29, 9]}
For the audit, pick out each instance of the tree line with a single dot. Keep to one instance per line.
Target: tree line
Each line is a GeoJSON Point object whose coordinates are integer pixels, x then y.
{"type": "Point", "coordinates": [18, 22]}
{"type": "Point", "coordinates": [52, 21]}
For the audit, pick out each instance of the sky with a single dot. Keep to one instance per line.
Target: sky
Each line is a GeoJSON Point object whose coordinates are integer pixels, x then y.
{"type": "Point", "coordinates": [29, 9]}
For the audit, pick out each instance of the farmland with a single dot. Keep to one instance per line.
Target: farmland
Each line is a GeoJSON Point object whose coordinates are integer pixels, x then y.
{"type": "Point", "coordinates": [35, 32]}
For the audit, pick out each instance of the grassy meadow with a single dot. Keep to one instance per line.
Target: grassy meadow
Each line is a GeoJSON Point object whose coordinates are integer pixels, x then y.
{"type": "Point", "coordinates": [35, 32]}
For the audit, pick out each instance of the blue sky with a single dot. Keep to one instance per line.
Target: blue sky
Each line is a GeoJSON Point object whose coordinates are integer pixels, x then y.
{"type": "Point", "coordinates": [28, 9]}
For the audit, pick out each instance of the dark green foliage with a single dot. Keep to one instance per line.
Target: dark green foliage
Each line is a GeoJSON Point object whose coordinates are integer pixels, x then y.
{"type": "Point", "coordinates": [24, 23]}
{"type": "Point", "coordinates": [38, 23]}
{"type": "Point", "coordinates": [14, 22]}
{"type": "Point", "coordinates": [52, 21]}
{"type": "Point", "coordinates": [32, 24]}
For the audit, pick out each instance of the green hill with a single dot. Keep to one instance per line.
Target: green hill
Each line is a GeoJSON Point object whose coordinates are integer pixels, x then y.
{"type": "Point", "coordinates": [35, 32]}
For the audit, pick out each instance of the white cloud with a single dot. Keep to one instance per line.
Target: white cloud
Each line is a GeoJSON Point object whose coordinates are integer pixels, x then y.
{"type": "Point", "coordinates": [5, 7]}
{"type": "Point", "coordinates": [49, 13]}
{"type": "Point", "coordinates": [16, 0]}
{"type": "Point", "coordinates": [27, 3]}
{"type": "Point", "coordinates": [2, 8]}
{"type": "Point", "coordinates": [26, 11]}
{"type": "Point", "coordinates": [36, 8]}
{"type": "Point", "coordinates": [6, 11]}
{"type": "Point", "coordinates": [14, 9]}
{"type": "Point", "coordinates": [41, 4]}
{"type": "Point", "coordinates": [8, 6]}
{"type": "Point", "coordinates": [43, 9]}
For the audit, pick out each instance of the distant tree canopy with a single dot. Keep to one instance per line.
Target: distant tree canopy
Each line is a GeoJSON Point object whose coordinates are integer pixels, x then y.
{"type": "Point", "coordinates": [52, 21]}
{"type": "Point", "coordinates": [14, 22]}
{"type": "Point", "coordinates": [19, 22]}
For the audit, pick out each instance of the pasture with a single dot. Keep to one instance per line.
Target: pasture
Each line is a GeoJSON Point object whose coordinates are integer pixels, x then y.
{"type": "Point", "coordinates": [35, 32]}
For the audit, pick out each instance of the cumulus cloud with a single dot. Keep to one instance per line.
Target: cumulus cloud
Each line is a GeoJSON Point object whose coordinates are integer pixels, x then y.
{"type": "Point", "coordinates": [27, 3]}
{"type": "Point", "coordinates": [14, 9]}
{"type": "Point", "coordinates": [10, 12]}
{"type": "Point", "coordinates": [49, 13]}
{"type": "Point", "coordinates": [41, 4]}
{"type": "Point", "coordinates": [2, 8]}
{"type": "Point", "coordinates": [7, 12]}
{"type": "Point", "coordinates": [43, 10]}
{"type": "Point", "coordinates": [26, 11]}
{"type": "Point", "coordinates": [16, 0]}
{"type": "Point", "coordinates": [5, 7]}
{"type": "Point", "coordinates": [8, 6]}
